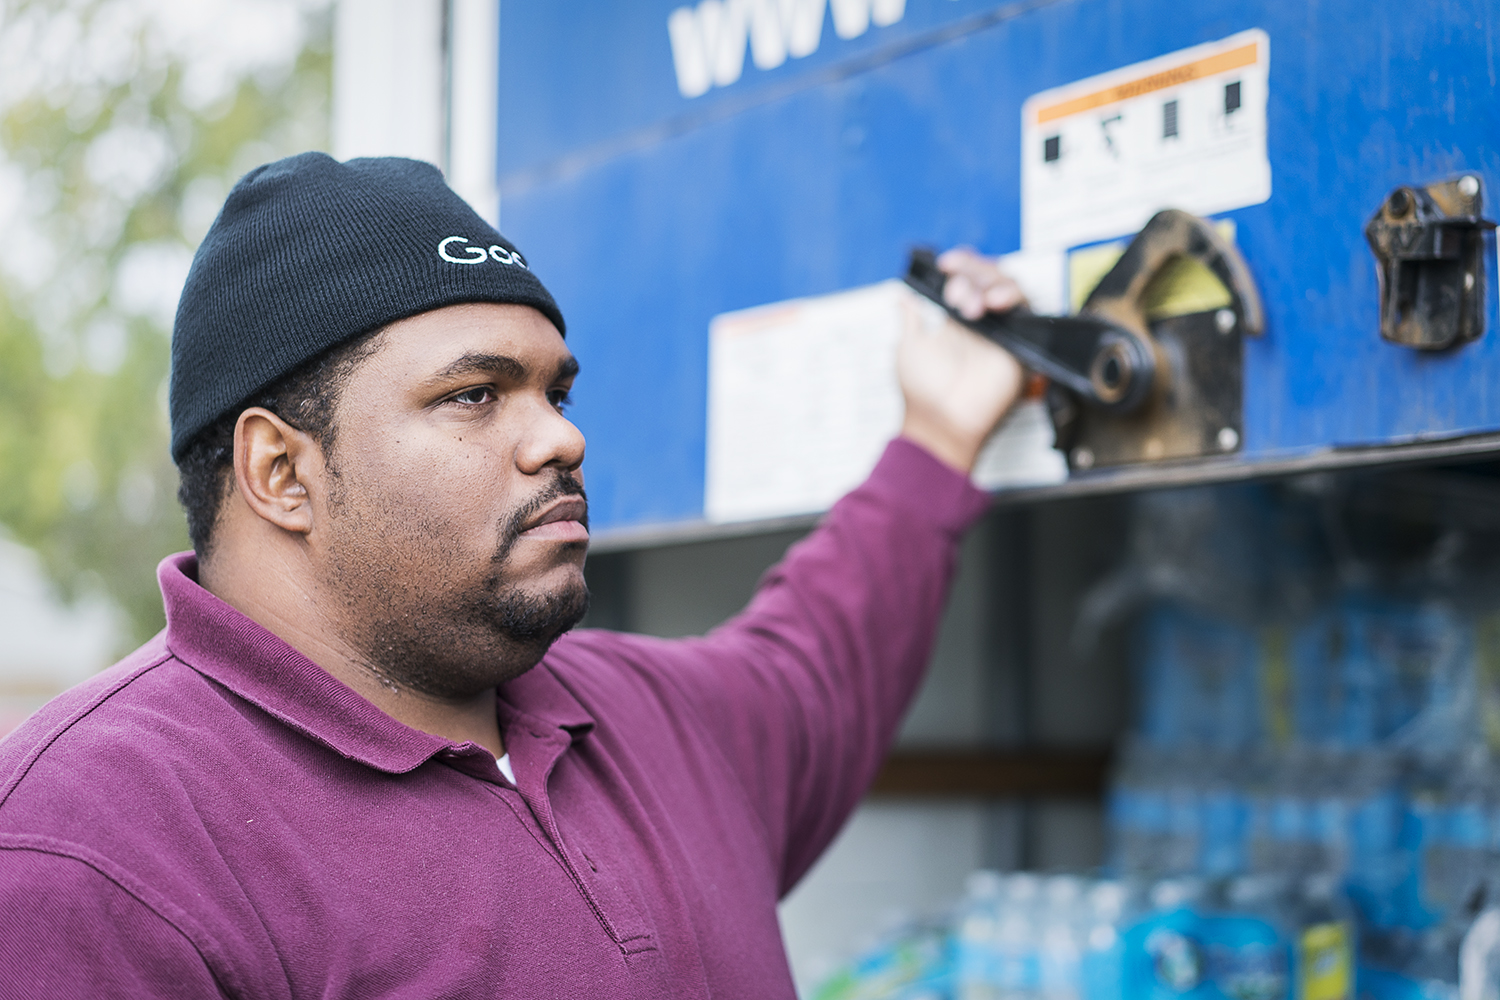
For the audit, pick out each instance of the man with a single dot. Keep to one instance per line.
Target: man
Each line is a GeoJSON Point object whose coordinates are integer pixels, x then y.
{"type": "Point", "coordinates": [362, 759]}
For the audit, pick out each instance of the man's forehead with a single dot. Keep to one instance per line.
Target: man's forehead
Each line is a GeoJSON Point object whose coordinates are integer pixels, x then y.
{"type": "Point", "coordinates": [466, 335]}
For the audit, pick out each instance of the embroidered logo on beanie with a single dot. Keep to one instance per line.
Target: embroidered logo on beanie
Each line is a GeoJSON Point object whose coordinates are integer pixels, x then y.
{"type": "Point", "coordinates": [478, 255]}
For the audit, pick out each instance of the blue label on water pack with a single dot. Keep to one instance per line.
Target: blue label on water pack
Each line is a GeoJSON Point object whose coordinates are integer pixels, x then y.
{"type": "Point", "coordinates": [1247, 959]}
{"type": "Point", "coordinates": [1162, 959]}
{"type": "Point", "coordinates": [1184, 956]}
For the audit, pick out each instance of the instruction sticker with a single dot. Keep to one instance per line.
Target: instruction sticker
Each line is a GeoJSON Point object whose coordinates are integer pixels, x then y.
{"type": "Point", "coordinates": [803, 396]}
{"type": "Point", "coordinates": [1187, 130]}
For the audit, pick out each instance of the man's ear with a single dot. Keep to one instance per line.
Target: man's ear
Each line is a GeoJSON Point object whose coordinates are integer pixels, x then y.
{"type": "Point", "coordinates": [273, 463]}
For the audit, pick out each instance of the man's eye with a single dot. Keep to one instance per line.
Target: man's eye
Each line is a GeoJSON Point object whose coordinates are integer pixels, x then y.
{"type": "Point", "coordinates": [560, 399]}
{"type": "Point", "coordinates": [475, 396]}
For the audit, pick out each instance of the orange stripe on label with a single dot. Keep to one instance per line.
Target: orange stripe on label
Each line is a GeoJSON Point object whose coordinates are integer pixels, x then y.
{"type": "Point", "coordinates": [1197, 70]}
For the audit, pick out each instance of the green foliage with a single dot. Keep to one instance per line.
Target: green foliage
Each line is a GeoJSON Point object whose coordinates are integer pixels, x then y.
{"type": "Point", "coordinates": [106, 184]}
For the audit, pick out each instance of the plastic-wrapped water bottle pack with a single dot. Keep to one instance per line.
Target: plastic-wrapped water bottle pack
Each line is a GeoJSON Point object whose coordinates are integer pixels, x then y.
{"type": "Point", "coordinates": [1308, 804]}
{"type": "Point", "coordinates": [1027, 937]}
{"type": "Point", "coordinates": [1065, 938]}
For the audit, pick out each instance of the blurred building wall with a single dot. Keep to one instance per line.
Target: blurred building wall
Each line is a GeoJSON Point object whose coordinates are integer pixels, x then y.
{"type": "Point", "coordinates": [417, 78]}
{"type": "Point", "coordinates": [49, 645]}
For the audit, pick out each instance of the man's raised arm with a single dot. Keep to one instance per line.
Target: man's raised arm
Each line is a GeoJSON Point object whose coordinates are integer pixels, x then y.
{"type": "Point", "coordinates": [804, 690]}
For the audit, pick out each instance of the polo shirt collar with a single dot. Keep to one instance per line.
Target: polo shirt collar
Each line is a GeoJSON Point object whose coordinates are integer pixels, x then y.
{"type": "Point", "coordinates": [537, 696]}
{"type": "Point", "coordinates": [227, 646]}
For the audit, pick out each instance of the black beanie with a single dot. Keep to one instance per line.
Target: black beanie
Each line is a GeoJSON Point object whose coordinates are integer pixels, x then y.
{"type": "Point", "coordinates": [308, 253]}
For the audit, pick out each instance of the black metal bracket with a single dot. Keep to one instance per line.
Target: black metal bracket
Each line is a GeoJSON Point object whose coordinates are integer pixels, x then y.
{"type": "Point", "coordinates": [1429, 248]}
{"type": "Point", "coordinates": [1126, 389]}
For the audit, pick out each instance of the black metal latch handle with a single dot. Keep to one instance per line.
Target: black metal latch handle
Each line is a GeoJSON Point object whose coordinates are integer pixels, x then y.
{"type": "Point", "coordinates": [1093, 357]}
{"type": "Point", "coordinates": [1105, 354]}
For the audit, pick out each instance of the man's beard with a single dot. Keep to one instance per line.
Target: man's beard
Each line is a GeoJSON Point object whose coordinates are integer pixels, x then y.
{"type": "Point", "coordinates": [530, 618]}
{"type": "Point", "coordinates": [455, 645]}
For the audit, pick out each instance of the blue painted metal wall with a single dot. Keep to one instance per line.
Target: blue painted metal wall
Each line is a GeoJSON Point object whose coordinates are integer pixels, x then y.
{"type": "Point", "coordinates": [648, 213]}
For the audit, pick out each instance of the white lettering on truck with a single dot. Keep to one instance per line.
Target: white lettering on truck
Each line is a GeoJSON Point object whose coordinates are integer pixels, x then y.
{"type": "Point", "coordinates": [708, 40]}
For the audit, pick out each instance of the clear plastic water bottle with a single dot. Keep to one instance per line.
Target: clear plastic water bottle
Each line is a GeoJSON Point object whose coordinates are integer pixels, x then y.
{"type": "Point", "coordinates": [1424, 653]}
{"type": "Point", "coordinates": [1164, 676]}
{"type": "Point", "coordinates": [1318, 648]}
{"type": "Point", "coordinates": [1434, 963]}
{"type": "Point", "coordinates": [1479, 958]}
{"type": "Point", "coordinates": [1104, 945]}
{"type": "Point", "coordinates": [974, 937]}
{"type": "Point", "coordinates": [1328, 815]}
{"type": "Point", "coordinates": [1258, 782]}
{"type": "Point", "coordinates": [1281, 827]}
{"type": "Point", "coordinates": [1017, 947]}
{"type": "Point", "coordinates": [1366, 671]}
{"type": "Point", "coordinates": [1201, 676]}
{"type": "Point", "coordinates": [1183, 844]}
{"type": "Point", "coordinates": [1061, 933]}
{"type": "Point", "coordinates": [1138, 810]}
{"type": "Point", "coordinates": [1225, 816]}
{"type": "Point", "coordinates": [1342, 672]}
{"type": "Point", "coordinates": [1379, 863]}
{"type": "Point", "coordinates": [1456, 835]}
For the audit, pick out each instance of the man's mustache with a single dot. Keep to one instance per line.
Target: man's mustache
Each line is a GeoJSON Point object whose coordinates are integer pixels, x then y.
{"type": "Point", "coordinates": [563, 485]}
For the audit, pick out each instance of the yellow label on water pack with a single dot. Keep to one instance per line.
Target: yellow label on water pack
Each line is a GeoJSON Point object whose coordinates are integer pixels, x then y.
{"type": "Point", "coordinates": [1326, 970]}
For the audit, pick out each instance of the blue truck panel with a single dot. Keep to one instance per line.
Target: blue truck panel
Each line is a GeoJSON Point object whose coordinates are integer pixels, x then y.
{"type": "Point", "coordinates": [648, 212]}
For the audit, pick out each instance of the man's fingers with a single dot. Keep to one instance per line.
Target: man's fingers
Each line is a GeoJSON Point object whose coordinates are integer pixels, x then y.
{"type": "Point", "coordinates": [1003, 296]}
{"type": "Point", "coordinates": [962, 294]}
{"type": "Point", "coordinates": [976, 284]}
{"type": "Point", "coordinates": [962, 259]}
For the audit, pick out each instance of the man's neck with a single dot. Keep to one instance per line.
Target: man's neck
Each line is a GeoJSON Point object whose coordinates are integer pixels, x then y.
{"type": "Point", "coordinates": [294, 613]}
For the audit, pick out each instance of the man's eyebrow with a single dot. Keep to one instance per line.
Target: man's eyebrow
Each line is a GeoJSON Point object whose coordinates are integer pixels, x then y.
{"type": "Point", "coordinates": [480, 363]}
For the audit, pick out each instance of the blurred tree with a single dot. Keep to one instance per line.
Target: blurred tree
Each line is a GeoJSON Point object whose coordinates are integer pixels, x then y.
{"type": "Point", "coordinates": [123, 124]}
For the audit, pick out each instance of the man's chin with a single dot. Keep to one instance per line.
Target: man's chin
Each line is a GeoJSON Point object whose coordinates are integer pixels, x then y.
{"type": "Point", "coordinates": [537, 620]}
{"type": "Point", "coordinates": [497, 640]}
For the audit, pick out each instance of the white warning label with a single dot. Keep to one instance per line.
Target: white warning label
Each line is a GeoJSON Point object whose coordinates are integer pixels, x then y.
{"type": "Point", "coordinates": [1187, 130]}
{"type": "Point", "coordinates": [803, 396]}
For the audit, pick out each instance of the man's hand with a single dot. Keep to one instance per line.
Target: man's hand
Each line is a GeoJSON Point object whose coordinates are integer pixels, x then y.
{"type": "Point", "coordinates": [958, 386]}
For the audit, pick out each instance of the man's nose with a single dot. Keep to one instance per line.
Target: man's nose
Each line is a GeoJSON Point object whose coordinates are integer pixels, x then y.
{"type": "Point", "coordinates": [551, 439]}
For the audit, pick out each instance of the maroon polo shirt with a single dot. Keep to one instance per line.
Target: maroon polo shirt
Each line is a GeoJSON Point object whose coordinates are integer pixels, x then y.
{"type": "Point", "coordinates": [216, 814]}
